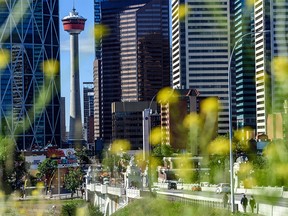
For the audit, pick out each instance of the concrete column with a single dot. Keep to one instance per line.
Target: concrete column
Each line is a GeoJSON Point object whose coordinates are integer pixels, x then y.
{"type": "Point", "coordinates": [75, 132]}
{"type": "Point", "coordinates": [146, 133]}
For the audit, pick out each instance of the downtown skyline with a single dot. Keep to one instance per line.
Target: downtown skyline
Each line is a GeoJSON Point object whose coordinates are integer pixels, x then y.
{"type": "Point", "coordinates": [202, 65]}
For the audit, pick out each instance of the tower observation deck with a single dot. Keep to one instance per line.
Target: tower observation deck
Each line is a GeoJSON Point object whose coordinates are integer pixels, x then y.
{"type": "Point", "coordinates": [74, 25]}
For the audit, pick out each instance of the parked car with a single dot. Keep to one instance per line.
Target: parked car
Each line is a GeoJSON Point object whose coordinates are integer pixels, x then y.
{"type": "Point", "coordinates": [106, 181]}
{"type": "Point", "coordinates": [196, 188]}
{"type": "Point", "coordinates": [172, 185]}
{"type": "Point", "coordinates": [204, 184]}
{"type": "Point", "coordinates": [223, 188]}
{"type": "Point", "coordinates": [155, 188]}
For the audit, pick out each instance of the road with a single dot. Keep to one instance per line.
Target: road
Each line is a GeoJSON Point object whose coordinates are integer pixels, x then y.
{"type": "Point", "coordinates": [279, 201]}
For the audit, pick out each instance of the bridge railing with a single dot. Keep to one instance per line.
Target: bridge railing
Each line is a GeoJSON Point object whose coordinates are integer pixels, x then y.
{"type": "Point", "coordinates": [133, 193]}
{"type": "Point", "coordinates": [116, 191]}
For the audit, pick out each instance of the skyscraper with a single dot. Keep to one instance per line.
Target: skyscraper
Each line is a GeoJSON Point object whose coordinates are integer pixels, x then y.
{"type": "Point", "coordinates": [30, 34]}
{"type": "Point", "coordinates": [244, 64]}
{"type": "Point", "coordinates": [270, 16]}
{"type": "Point", "coordinates": [201, 49]}
{"type": "Point", "coordinates": [88, 106]}
{"type": "Point", "coordinates": [134, 61]}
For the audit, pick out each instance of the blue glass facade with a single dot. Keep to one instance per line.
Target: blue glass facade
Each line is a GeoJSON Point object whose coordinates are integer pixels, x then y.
{"type": "Point", "coordinates": [30, 34]}
{"type": "Point", "coordinates": [244, 64]}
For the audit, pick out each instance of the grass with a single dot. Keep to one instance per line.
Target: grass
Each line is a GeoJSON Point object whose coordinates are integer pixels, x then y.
{"type": "Point", "coordinates": [37, 207]}
{"type": "Point", "coordinates": [160, 207]}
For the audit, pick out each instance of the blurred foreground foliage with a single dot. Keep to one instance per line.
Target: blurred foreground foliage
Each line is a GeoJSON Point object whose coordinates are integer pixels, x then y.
{"type": "Point", "coordinates": [79, 208]}
{"type": "Point", "coordinates": [39, 207]}
{"type": "Point", "coordinates": [12, 167]}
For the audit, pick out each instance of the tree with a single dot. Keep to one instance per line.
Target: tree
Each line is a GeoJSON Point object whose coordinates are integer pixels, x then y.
{"type": "Point", "coordinates": [110, 161]}
{"type": "Point", "coordinates": [19, 171]}
{"type": "Point", "coordinates": [82, 155]}
{"type": "Point", "coordinates": [12, 166]}
{"type": "Point", "coordinates": [78, 207]}
{"type": "Point", "coordinates": [47, 170]}
{"type": "Point", "coordinates": [123, 162]}
{"type": "Point", "coordinates": [163, 151]}
{"type": "Point", "coordinates": [73, 179]}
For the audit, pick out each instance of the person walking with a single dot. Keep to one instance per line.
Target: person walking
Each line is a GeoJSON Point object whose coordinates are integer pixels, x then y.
{"type": "Point", "coordinates": [225, 200]}
{"type": "Point", "coordinates": [252, 203]}
{"type": "Point", "coordinates": [244, 202]}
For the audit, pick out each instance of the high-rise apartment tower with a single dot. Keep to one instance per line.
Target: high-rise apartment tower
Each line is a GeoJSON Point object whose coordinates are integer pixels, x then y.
{"type": "Point", "coordinates": [201, 50]}
{"type": "Point", "coordinates": [243, 67]}
{"type": "Point", "coordinates": [88, 105]}
{"type": "Point", "coordinates": [271, 17]}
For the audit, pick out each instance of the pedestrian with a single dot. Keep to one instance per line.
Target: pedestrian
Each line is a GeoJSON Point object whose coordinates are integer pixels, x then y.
{"type": "Point", "coordinates": [252, 203]}
{"type": "Point", "coordinates": [244, 202]}
{"type": "Point", "coordinates": [225, 200]}
{"type": "Point", "coordinates": [82, 192]}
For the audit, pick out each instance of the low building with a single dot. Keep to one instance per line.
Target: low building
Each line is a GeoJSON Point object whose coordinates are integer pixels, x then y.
{"type": "Point", "coordinates": [173, 114]}
{"type": "Point", "coordinates": [127, 121]}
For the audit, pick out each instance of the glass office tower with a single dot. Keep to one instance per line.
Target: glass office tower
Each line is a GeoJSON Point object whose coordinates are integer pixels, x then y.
{"type": "Point", "coordinates": [134, 61]}
{"type": "Point", "coordinates": [30, 34]}
{"type": "Point", "coordinates": [244, 64]}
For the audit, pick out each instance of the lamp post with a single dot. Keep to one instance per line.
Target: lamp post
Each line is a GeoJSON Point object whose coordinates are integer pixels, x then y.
{"type": "Point", "coordinates": [146, 114]}
{"type": "Point", "coordinates": [147, 129]}
{"type": "Point", "coordinates": [230, 114]}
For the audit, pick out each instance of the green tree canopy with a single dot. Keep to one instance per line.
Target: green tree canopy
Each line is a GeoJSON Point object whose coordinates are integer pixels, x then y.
{"type": "Point", "coordinates": [82, 155]}
{"type": "Point", "coordinates": [47, 170]}
{"type": "Point", "coordinates": [12, 166]}
{"type": "Point", "coordinates": [73, 179]}
{"type": "Point", "coordinates": [162, 151]}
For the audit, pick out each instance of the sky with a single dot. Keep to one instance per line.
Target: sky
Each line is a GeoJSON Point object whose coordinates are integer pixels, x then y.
{"type": "Point", "coordinates": [85, 8]}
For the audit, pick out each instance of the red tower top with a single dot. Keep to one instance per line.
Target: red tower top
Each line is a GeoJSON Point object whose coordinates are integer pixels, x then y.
{"type": "Point", "coordinates": [73, 23]}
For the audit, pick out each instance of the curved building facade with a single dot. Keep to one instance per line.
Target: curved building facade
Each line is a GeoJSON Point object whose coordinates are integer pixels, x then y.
{"type": "Point", "coordinates": [29, 99]}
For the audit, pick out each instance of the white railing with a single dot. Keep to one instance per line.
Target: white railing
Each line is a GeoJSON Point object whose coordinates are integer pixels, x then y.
{"type": "Point", "coordinates": [115, 191]}
{"type": "Point", "coordinates": [133, 193]}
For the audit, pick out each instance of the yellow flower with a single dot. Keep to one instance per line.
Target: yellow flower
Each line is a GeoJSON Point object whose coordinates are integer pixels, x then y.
{"type": "Point", "coordinates": [167, 95]}
{"type": "Point", "coordinates": [183, 10]}
{"type": "Point", "coordinates": [250, 3]}
{"type": "Point", "coordinates": [184, 167]}
{"type": "Point", "coordinates": [4, 58]}
{"type": "Point", "coordinates": [120, 145]}
{"type": "Point", "coordinates": [245, 168]}
{"type": "Point", "coordinates": [219, 146]}
{"type": "Point", "coordinates": [51, 67]}
{"type": "Point", "coordinates": [100, 31]}
{"type": "Point", "coordinates": [280, 65]}
{"type": "Point", "coordinates": [244, 134]}
{"type": "Point", "coordinates": [155, 136]}
{"type": "Point", "coordinates": [209, 105]}
{"type": "Point", "coordinates": [191, 120]}
{"type": "Point", "coordinates": [82, 211]}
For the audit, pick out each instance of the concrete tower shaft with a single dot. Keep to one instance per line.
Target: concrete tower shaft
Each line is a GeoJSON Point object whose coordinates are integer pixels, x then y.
{"type": "Point", "coordinates": [74, 25]}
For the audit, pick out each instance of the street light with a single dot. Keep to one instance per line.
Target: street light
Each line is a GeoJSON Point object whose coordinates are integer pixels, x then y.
{"type": "Point", "coordinates": [147, 129]}
{"type": "Point", "coordinates": [230, 114]}
{"type": "Point", "coordinates": [146, 138]}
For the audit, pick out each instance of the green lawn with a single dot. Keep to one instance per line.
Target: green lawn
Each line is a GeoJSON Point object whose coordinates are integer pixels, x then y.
{"type": "Point", "coordinates": [37, 207]}
{"type": "Point", "coordinates": [161, 207]}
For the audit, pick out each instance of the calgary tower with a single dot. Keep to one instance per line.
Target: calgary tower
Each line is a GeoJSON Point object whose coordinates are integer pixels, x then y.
{"type": "Point", "coordinates": [74, 25]}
